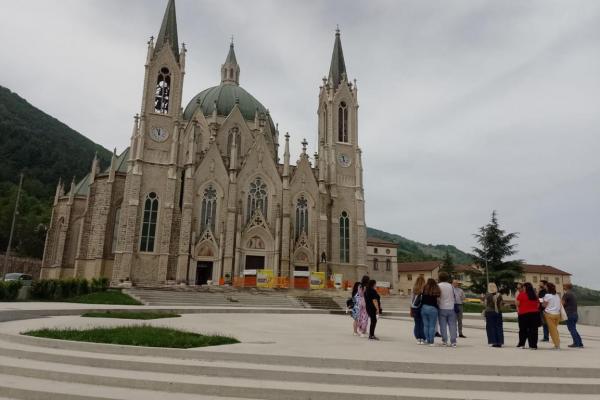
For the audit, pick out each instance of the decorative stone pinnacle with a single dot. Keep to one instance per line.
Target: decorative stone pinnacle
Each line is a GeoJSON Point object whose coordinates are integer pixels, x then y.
{"type": "Point", "coordinates": [287, 136]}
{"type": "Point", "coordinates": [304, 144]}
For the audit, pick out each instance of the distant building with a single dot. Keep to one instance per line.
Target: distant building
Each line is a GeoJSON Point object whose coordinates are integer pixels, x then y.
{"type": "Point", "coordinates": [408, 272]}
{"type": "Point", "coordinates": [382, 262]}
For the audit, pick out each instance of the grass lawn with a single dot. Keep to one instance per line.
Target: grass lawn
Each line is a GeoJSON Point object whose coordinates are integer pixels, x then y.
{"type": "Point", "coordinates": [143, 335]}
{"type": "Point", "coordinates": [108, 297]}
{"type": "Point", "coordinates": [130, 314]}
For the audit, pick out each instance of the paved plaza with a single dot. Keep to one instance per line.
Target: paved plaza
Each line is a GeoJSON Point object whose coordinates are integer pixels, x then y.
{"type": "Point", "coordinates": [283, 354]}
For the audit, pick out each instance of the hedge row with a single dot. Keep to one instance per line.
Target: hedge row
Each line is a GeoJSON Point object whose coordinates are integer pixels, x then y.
{"type": "Point", "coordinates": [61, 289]}
{"type": "Point", "coordinates": [9, 290]}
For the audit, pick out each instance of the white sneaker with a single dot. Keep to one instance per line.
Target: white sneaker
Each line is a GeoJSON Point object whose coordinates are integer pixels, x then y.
{"type": "Point", "coordinates": [453, 344]}
{"type": "Point", "coordinates": [432, 345]}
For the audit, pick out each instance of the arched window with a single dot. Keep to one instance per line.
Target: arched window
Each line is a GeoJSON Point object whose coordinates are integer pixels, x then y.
{"type": "Point", "coordinates": [343, 123]}
{"type": "Point", "coordinates": [149, 222]}
{"type": "Point", "coordinates": [375, 265]}
{"type": "Point", "coordinates": [208, 213]}
{"type": "Point", "coordinates": [257, 198]}
{"type": "Point", "coordinates": [115, 235]}
{"type": "Point", "coordinates": [344, 238]}
{"type": "Point", "coordinates": [301, 216]}
{"type": "Point", "coordinates": [163, 89]}
{"type": "Point", "coordinates": [388, 265]}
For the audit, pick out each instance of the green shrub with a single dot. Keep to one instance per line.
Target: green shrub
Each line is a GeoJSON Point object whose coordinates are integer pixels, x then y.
{"type": "Point", "coordinates": [9, 290]}
{"type": "Point", "coordinates": [61, 289]}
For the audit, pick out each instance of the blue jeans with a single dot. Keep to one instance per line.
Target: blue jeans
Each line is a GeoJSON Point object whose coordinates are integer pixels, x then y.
{"type": "Point", "coordinates": [429, 314]}
{"type": "Point", "coordinates": [448, 322]}
{"type": "Point", "coordinates": [493, 328]}
{"type": "Point", "coordinates": [418, 330]}
{"type": "Point", "coordinates": [572, 326]}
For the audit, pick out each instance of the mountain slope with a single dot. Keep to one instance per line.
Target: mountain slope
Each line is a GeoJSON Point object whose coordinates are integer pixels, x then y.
{"type": "Point", "coordinates": [44, 149]}
{"type": "Point", "coordinates": [41, 146]}
{"type": "Point", "coordinates": [409, 250]}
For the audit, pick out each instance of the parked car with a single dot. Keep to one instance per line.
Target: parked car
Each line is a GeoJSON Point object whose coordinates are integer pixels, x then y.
{"type": "Point", "coordinates": [25, 279]}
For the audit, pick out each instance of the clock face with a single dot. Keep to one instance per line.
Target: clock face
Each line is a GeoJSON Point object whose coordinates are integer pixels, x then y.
{"type": "Point", "coordinates": [344, 160]}
{"type": "Point", "coordinates": [159, 134]}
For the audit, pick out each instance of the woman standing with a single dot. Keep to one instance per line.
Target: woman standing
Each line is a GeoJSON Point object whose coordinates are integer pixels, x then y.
{"type": "Point", "coordinates": [493, 316]}
{"type": "Point", "coordinates": [551, 303]}
{"type": "Point", "coordinates": [363, 317]}
{"type": "Point", "coordinates": [529, 316]}
{"type": "Point", "coordinates": [415, 309]}
{"type": "Point", "coordinates": [373, 306]}
{"type": "Point", "coordinates": [355, 308]}
{"type": "Point", "coordinates": [429, 309]}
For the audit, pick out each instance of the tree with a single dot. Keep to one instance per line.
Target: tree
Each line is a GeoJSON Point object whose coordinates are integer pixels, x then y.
{"type": "Point", "coordinates": [447, 264]}
{"type": "Point", "coordinates": [495, 245]}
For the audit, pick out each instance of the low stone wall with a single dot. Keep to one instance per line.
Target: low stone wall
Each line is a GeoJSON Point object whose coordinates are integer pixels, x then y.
{"type": "Point", "coordinates": [26, 265]}
{"type": "Point", "coordinates": [589, 315]}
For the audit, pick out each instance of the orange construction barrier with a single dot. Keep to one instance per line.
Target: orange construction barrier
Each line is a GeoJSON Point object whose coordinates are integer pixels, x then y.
{"type": "Point", "coordinates": [383, 291]}
{"type": "Point", "coordinates": [301, 283]}
{"type": "Point", "coordinates": [281, 282]}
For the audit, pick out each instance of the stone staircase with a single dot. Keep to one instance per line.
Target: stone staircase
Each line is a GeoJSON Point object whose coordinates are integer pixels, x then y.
{"type": "Point", "coordinates": [233, 298]}
{"type": "Point", "coordinates": [34, 368]}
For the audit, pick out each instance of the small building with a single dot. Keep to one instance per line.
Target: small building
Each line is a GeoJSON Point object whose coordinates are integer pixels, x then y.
{"type": "Point", "coordinates": [535, 273]}
{"type": "Point", "coordinates": [408, 272]}
{"type": "Point", "coordinates": [382, 262]}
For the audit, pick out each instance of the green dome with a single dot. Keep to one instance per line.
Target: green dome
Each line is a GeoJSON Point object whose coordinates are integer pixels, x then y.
{"type": "Point", "coordinates": [225, 95]}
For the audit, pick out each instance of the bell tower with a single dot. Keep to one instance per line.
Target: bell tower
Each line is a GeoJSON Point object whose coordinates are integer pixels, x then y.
{"type": "Point", "coordinates": [340, 168]}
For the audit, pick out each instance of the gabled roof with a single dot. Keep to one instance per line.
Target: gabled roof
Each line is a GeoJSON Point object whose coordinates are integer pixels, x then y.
{"type": "Point", "coordinates": [338, 66]}
{"type": "Point", "coordinates": [83, 187]}
{"type": "Point", "coordinates": [168, 31]}
{"type": "Point", "coordinates": [380, 242]}
{"type": "Point", "coordinates": [419, 266]}
{"type": "Point", "coordinates": [543, 269]}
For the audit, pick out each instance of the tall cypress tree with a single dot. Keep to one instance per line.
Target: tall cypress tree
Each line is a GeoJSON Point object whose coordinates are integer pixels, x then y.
{"type": "Point", "coordinates": [447, 264]}
{"type": "Point", "coordinates": [495, 245]}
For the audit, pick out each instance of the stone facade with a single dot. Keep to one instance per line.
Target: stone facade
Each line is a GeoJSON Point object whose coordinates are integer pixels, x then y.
{"type": "Point", "coordinates": [201, 195]}
{"type": "Point", "coordinates": [382, 263]}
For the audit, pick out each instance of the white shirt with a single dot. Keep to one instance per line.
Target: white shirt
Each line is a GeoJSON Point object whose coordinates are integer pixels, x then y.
{"type": "Point", "coordinates": [446, 301]}
{"type": "Point", "coordinates": [553, 301]}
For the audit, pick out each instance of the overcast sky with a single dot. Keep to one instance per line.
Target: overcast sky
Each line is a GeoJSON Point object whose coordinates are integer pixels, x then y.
{"type": "Point", "coordinates": [465, 106]}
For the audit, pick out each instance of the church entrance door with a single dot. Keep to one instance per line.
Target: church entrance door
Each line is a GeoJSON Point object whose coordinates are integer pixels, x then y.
{"type": "Point", "coordinates": [204, 270]}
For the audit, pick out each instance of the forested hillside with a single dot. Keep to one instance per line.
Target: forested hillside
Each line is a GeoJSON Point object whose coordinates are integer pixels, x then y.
{"type": "Point", "coordinates": [44, 149]}
{"type": "Point", "coordinates": [409, 250]}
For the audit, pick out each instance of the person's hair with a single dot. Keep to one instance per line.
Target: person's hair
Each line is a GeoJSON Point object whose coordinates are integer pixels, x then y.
{"type": "Point", "coordinates": [568, 286]}
{"type": "Point", "coordinates": [418, 287]}
{"type": "Point", "coordinates": [431, 288]}
{"type": "Point", "coordinates": [355, 288]}
{"type": "Point", "coordinates": [543, 281]}
{"type": "Point", "coordinates": [531, 295]}
{"type": "Point", "coordinates": [443, 277]}
{"type": "Point", "coordinates": [365, 280]}
{"type": "Point", "coordinates": [551, 288]}
{"type": "Point", "coordinates": [371, 283]}
{"type": "Point", "coordinates": [492, 288]}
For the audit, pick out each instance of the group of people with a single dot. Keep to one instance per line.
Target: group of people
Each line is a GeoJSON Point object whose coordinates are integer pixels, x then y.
{"type": "Point", "coordinates": [437, 310]}
{"type": "Point", "coordinates": [436, 304]}
{"type": "Point", "coordinates": [366, 306]}
{"type": "Point", "coordinates": [544, 308]}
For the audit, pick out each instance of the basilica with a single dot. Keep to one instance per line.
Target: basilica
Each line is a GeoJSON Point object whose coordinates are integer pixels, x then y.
{"type": "Point", "coordinates": [202, 195]}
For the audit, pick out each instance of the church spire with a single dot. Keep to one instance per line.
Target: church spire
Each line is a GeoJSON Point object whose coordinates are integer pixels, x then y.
{"type": "Point", "coordinates": [168, 31]}
{"type": "Point", "coordinates": [337, 70]}
{"type": "Point", "coordinates": [230, 70]}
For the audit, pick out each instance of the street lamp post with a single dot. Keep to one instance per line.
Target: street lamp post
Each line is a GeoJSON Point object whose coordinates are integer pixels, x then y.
{"type": "Point", "coordinates": [12, 228]}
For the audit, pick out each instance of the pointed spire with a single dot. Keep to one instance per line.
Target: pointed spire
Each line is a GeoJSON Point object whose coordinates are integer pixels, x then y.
{"type": "Point", "coordinates": [168, 31]}
{"type": "Point", "coordinates": [230, 70]}
{"type": "Point", "coordinates": [94, 170]}
{"type": "Point", "coordinates": [286, 155]}
{"type": "Point", "coordinates": [337, 70]}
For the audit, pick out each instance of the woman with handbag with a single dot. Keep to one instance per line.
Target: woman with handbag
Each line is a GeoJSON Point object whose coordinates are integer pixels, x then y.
{"type": "Point", "coordinates": [552, 311]}
{"type": "Point", "coordinates": [415, 310]}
